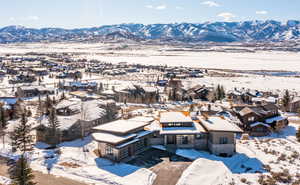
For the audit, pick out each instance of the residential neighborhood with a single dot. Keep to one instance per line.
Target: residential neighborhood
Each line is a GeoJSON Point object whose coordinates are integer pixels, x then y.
{"type": "Point", "coordinates": [149, 92]}
{"type": "Point", "coordinates": [146, 117]}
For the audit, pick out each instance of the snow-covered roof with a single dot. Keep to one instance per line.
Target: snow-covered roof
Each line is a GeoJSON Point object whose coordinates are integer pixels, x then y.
{"type": "Point", "coordinates": [215, 123]}
{"type": "Point", "coordinates": [154, 126]}
{"type": "Point", "coordinates": [174, 117]}
{"type": "Point", "coordinates": [66, 103]}
{"type": "Point", "coordinates": [136, 139]}
{"type": "Point", "coordinates": [111, 138]}
{"type": "Point", "coordinates": [108, 92]}
{"type": "Point", "coordinates": [259, 123]}
{"type": "Point", "coordinates": [276, 118]}
{"type": "Point", "coordinates": [91, 112]}
{"type": "Point", "coordinates": [150, 89]}
{"type": "Point", "coordinates": [142, 118]}
{"type": "Point", "coordinates": [123, 126]}
{"type": "Point", "coordinates": [295, 99]}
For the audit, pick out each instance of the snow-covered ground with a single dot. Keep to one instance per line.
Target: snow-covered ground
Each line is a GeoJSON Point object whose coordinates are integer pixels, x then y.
{"type": "Point", "coordinates": [258, 82]}
{"type": "Point", "coordinates": [78, 161]}
{"type": "Point", "coordinates": [259, 60]}
{"type": "Point", "coordinates": [255, 157]}
{"type": "Point", "coordinates": [4, 180]}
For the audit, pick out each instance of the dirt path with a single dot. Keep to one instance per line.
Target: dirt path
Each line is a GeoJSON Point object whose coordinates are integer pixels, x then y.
{"type": "Point", "coordinates": [168, 173]}
{"type": "Point", "coordinates": [40, 178]}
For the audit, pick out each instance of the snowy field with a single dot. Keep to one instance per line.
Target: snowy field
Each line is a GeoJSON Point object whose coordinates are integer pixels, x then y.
{"type": "Point", "coordinates": [257, 82]}
{"type": "Point", "coordinates": [156, 55]}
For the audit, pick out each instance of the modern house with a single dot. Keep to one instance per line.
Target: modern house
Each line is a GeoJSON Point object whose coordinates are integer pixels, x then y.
{"type": "Point", "coordinates": [294, 105]}
{"type": "Point", "coordinates": [31, 91]}
{"type": "Point", "coordinates": [76, 86]}
{"type": "Point", "coordinates": [137, 94]}
{"type": "Point", "coordinates": [221, 135]}
{"type": "Point", "coordinates": [260, 120]}
{"type": "Point", "coordinates": [121, 139]}
{"type": "Point", "coordinates": [23, 78]}
{"type": "Point", "coordinates": [177, 129]}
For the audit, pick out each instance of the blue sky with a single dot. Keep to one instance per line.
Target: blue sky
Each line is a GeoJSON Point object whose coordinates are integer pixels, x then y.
{"type": "Point", "coordinates": [89, 13]}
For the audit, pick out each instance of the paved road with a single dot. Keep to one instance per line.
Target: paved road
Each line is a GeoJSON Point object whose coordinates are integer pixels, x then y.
{"type": "Point", "coordinates": [40, 178]}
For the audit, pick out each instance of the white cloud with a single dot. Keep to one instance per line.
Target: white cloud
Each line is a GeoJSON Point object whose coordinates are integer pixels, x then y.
{"type": "Point", "coordinates": [211, 3]}
{"type": "Point", "coordinates": [227, 16]}
{"type": "Point", "coordinates": [179, 7]}
{"type": "Point", "coordinates": [26, 18]}
{"type": "Point", "coordinates": [261, 12]}
{"type": "Point", "coordinates": [32, 18]}
{"type": "Point", "coordinates": [149, 6]}
{"type": "Point", "coordinates": [159, 7]}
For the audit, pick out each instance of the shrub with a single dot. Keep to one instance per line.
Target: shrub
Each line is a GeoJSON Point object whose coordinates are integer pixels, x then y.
{"type": "Point", "coordinates": [295, 155]}
{"type": "Point", "coordinates": [266, 180]}
{"type": "Point", "coordinates": [283, 177]}
{"type": "Point", "coordinates": [267, 168]}
{"type": "Point", "coordinates": [244, 180]}
{"type": "Point", "coordinates": [282, 157]}
{"type": "Point", "coordinates": [298, 134]}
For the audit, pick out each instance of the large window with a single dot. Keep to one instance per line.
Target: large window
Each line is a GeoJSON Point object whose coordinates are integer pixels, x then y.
{"type": "Point", "coordinates": [109, 150]}
{"type": "Point", "coordinates": [251, 119]}
{"type": "Point", "coordinates": [200, 136]}
{"type": "Point", "coordinates": [223, 140]}
{"type": "Point", "coordinates": [184, 140]}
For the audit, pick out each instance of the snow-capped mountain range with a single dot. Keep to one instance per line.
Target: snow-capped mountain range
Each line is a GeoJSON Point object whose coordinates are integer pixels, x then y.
{"type": "Point", "coordinates": [187, 32]}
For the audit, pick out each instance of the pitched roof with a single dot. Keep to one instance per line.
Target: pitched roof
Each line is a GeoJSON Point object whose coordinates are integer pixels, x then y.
{"type": "Point", "coordinates": [123, 126]}
{"type": "Point", "coordinates": [270, 107]}
{"type": "Point", "coordinates": [218, 124]}
{"type": "Point", "coordinates": [246, 111]}
{"type": "Point", "coordinates": [174, 117]}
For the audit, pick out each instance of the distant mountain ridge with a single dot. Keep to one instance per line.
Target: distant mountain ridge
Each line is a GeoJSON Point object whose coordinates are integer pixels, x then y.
{"type": "Point", "coordinates": [269, 30]}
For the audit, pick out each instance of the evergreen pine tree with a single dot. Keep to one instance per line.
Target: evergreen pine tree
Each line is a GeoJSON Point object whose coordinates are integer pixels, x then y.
{"type": "Point", "coordinates": [53, 124]}
{"type": "Point", "coordinates": [2, 118]}
{"type": "Point", "coordinates": [286, 99]}
{"type": "Point", "coordinates": [298, 134]}
{"type": "Point", "coordinates": [63, 96]}
{"type": "Point", "coordinates": [21, 173]}
{"type": "Point", "coordinates": [100, 87]}
{"type": "Point", "coordinates": [2, 124]}
{"type": "Point", "coordinates": [53, 100]}
{"type": "Point", "coordinates": [21, 138]}
{"type": "Point", "coordinates": [219, 92]}
{"type": "Point", "coordinates": [48, 105]}
{"type": "Point", "coordinates": [39, 111]}
{"type": "Point", "coordinates": [222, 91]}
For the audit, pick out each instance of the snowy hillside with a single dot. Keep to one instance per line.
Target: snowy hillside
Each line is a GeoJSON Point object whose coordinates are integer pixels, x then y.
{"type": "Point", "coordinates": [269, 30]}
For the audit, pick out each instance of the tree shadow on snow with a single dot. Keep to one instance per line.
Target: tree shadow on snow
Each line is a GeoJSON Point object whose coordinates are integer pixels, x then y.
{"type": "Point", "coordinates": [51, 158]}
{"type": "Point", "coordinates": [284, 133]}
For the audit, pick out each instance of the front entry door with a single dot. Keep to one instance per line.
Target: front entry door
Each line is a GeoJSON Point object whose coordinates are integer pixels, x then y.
{"type": "Point", "coordinates": [171, 139]}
